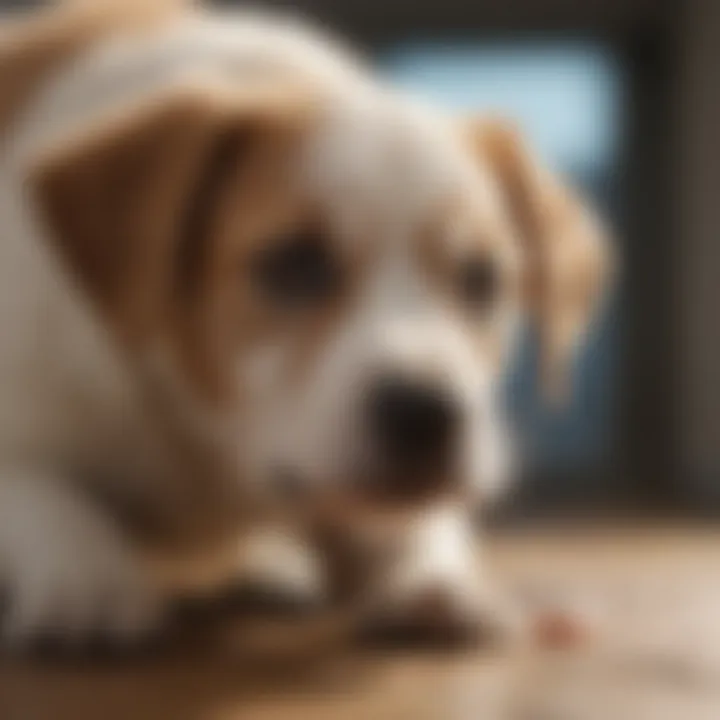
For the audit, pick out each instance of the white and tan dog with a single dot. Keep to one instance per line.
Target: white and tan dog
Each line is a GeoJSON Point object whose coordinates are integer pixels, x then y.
{"type": "Point", "coordinates": [233, 263]}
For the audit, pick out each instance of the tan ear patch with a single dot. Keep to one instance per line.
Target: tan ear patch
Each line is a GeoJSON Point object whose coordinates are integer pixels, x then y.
{"type": "Point", "coordinates": [111, 200]}
{"type": "Point", "coordinates": [122, 199]}
{"type": "Point", "coordinates": [568, 258]}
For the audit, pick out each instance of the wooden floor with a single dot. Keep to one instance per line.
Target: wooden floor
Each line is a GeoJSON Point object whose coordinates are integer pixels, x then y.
{"type": "Point", "coordinates": [654, 596]}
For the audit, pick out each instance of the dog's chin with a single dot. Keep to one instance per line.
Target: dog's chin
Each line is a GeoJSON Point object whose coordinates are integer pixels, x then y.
{"type": "Point", "coordinates": [367, 496]}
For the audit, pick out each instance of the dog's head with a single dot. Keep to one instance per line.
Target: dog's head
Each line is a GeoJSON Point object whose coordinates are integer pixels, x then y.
{"type": "Point", "coordinates": [334, 283]}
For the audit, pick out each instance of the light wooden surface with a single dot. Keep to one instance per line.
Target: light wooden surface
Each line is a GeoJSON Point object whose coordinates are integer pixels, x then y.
{"type": "Point", "coordinates": [652, 595]}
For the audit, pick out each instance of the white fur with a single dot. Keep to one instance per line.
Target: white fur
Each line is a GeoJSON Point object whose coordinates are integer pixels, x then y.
{"type": "Point", "coordinates": [437, 551]}
{"type": "Point", "coordinates": [65, 568]}
{"type": "Point", "coordinates": [70, 409]}
{"type": "Point", "coordinates": [434, 577]}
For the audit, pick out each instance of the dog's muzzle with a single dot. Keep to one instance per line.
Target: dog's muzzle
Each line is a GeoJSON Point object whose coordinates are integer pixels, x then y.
{"type": "Point", "coordinates": [413, 428]}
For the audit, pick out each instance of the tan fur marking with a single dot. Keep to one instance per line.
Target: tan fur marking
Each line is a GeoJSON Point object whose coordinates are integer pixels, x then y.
{"type": "Point", "coordinates": [568, 259]}
{"type": "Point", "coordinates": [123, 203]}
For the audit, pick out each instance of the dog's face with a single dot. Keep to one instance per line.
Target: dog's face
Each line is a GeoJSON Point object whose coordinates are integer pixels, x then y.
{"type": "Point", "coordinates": [333, 284]}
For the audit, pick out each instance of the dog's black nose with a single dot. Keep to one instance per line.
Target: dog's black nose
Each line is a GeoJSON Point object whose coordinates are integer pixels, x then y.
{"type": "Point", "coordinates": [414, 424]}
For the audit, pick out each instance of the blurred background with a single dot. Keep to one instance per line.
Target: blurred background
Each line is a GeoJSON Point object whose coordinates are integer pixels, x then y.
{"type": "Point", "coordinates": [623, 97]}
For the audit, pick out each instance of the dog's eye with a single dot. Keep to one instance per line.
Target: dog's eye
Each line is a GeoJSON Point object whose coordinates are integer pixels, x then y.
{"type": "Point", "coordinates": [297, 271]}
{"type": "Point", "coordinates": [479, 282]}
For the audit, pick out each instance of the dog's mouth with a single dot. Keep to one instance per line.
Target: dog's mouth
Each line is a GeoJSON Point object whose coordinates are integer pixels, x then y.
{"type": "Point", "coordinates": [408, 488]}
{"type": "Point", "coordinates": [362, 494]}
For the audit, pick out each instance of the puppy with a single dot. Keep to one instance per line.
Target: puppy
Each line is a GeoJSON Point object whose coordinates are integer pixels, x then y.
{"type": "Point", "coordinates": [235, 266]}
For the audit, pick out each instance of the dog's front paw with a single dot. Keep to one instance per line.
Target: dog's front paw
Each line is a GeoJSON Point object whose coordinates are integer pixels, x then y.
{"type": "Point", "coordinates": [440, 614]}
{"type": "Point", "coordinates": [73, 584]}
{"type": "Point", "coordinates": [278, 574]}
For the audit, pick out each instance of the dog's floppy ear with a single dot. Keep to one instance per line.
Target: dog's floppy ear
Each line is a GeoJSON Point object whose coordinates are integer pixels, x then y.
{"type": "Point", "coordinates": [122, 200]}
{"type": "Point", "coordinates": [568, 258]}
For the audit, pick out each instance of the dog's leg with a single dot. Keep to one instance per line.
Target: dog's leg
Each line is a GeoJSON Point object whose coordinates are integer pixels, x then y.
{"type": "Point", "coordinates": [426, 584]}
{"type": "Point", "coordinates": [66, 571]}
